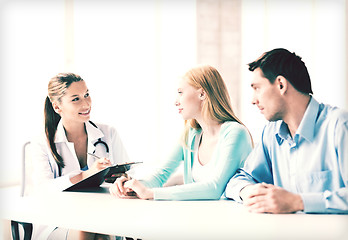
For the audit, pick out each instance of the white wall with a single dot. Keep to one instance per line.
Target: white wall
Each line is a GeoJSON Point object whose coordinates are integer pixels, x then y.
{"type": "Point", "coordinates": [32, 50]}
{"type": "Point", "coordinates": [313, 29]}
{"type": "Point", "coordinates": [130, 53]}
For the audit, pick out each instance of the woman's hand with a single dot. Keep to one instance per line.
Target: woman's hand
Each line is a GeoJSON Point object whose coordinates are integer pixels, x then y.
{"type": "Point", "coordinates": [100, 164]}
{"type": "Point", "coordinates": [126, 187]}
{"type": "Point", "coordinates": [140, 190]}
{"type": "Point", "coordinates": [117, 189]}
{"type": "Point", "coordinates": [97, 166]}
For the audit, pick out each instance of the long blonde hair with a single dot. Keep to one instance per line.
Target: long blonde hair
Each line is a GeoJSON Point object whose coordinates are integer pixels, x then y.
{"type": "Point", "coordinates": [217, 105]}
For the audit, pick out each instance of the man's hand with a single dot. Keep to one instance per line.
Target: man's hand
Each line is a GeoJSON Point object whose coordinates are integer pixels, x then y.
{"type": "Point", "coordinates": [267, 198]}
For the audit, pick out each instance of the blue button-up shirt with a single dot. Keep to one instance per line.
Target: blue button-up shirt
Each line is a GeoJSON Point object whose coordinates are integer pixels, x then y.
{"type": "Point", "coordinates": [313, 163]}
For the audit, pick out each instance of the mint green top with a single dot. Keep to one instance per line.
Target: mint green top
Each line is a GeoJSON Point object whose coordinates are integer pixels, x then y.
{"type": "Point", "coordinates": [233, 147]}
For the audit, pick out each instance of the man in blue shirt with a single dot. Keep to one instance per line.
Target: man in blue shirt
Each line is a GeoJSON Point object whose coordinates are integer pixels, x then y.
{"type": "Point", "coordinates": [301, 162]}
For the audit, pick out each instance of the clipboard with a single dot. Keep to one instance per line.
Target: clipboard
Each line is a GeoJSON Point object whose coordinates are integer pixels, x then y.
{"type": "Point", "coordinates": [109, 175]}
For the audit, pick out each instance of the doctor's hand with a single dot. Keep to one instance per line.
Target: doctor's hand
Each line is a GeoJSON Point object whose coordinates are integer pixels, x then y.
{"type": "Point", "coordinates": [267, 198]}
{"type": "Point", "coordinates": [100, 164]}
{"type": "Point", "coordinates": [97, 166]}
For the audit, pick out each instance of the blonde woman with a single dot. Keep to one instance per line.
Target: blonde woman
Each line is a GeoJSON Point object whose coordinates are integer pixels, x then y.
{"type": "Point", "coordinates": [60, 156]}
{"type": "Point", "coordinates": [215, 144]}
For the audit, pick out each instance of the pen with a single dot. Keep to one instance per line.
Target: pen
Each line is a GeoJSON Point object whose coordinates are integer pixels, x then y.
{"type": "Point", "coordinates": [104, 162]}
{"type": "Point", "coordinates": [94, 155]}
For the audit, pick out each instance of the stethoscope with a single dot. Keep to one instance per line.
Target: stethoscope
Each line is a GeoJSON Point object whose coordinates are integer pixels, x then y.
{"type": "Point", "coordinates": [102, 143]}
{"type": "Point", "coordinates": [99, 141]}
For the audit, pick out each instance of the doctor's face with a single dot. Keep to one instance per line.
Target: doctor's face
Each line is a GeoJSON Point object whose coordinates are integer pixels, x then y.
{"type": "Point", "coordinates": [188, 101]}
{"type": "Point", "coordinates": [75, 105]}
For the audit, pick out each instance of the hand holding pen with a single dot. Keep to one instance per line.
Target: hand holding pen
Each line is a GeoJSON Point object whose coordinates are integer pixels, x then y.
{"type": "Point", "coordinates": [100, 163]}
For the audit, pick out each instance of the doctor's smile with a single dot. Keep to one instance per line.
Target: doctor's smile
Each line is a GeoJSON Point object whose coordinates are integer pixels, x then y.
{"type": "Point", "coordinates": [85, 113]}
{"type": "Point", "coordinates": [61, 153]}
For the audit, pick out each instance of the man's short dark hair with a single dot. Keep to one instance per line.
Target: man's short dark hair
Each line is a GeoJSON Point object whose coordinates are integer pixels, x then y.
{"type": "Point", "coordinates": [282, 62]}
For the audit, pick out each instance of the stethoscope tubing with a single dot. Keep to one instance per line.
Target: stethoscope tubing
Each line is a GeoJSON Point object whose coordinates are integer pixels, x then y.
{"type": "Point", "coordinates": [103, 143]}
{"type": "Point", "coordinates": [99, 140]}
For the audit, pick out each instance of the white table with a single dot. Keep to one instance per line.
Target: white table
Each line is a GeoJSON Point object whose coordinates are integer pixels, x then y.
{"type": "Point", "coordinates": [169, 220]}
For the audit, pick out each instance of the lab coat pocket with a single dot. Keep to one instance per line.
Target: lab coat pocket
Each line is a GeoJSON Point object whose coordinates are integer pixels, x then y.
{"type": "Point", "coordinates": [315, 181]}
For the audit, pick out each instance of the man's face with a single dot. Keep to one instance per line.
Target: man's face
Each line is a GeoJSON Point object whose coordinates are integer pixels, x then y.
{"type": "Point", "coordinates": [267, 97]}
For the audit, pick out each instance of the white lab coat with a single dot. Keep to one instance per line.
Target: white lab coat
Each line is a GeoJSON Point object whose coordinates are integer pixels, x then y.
{"type": "Point", "coordinates": [45, 174]}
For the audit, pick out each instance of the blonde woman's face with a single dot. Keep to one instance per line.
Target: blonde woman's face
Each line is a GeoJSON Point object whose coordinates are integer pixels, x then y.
{"type": "Point", "coordinates": [75, 105]}
{"type": "Point", "coordinates": [189, 101]}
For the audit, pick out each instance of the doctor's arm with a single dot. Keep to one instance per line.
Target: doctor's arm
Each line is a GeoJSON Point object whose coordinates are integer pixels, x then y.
{"type": "Point", "coordinates": [45, 172]}
{"type": "Point", "coordinates": [97, 166]}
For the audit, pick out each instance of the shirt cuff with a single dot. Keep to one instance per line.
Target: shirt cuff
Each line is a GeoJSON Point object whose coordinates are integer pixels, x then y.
{"type": "Point", "coordinates": [313, 202]}
{"type": "Point", "coordinates": [61, 183]}
{"type": "Point", "coordinates": [233, 189]}
{"type": "Point", "coordinates": [160, 194]}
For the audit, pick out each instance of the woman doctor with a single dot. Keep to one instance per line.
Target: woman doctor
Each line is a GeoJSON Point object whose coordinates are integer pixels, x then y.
{"type": "Point", "coordinates": [60, 157]}
{"type": "Point", "coordinates": [215, 144]}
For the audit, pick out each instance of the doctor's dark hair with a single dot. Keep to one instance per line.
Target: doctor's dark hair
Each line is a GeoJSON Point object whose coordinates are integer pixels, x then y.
{"type": "Point", "coordinates": [57, 87]}
{"type": "Point", "coordinates": [280, 61]}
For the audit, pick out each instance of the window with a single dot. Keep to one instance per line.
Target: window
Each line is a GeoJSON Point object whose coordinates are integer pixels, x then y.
{"type": "Point", "coordinates": [314, 30]}
{"type": "Point", "coordinates": [130, 54]}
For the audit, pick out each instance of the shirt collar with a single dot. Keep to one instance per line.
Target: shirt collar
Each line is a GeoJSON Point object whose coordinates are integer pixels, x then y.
{"type": "Point", "coordinates": [306, 128]}
{"type": "Point", "coordinates": [282, 133]}
{"type": "Point", "coordinates": [93, 133]}
{"type": "Point", "coordinates": [60, 133]}
{"type": "Point", "coordinates": [307, 125]}
{"type": "Point", "coordinates": [192, 137]}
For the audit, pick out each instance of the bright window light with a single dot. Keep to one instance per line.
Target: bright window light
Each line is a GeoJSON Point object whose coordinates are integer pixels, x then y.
{"type": "Point", "coordinates": [314, 30]}
{"type": "Point", "coordinates": [130, 53]}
